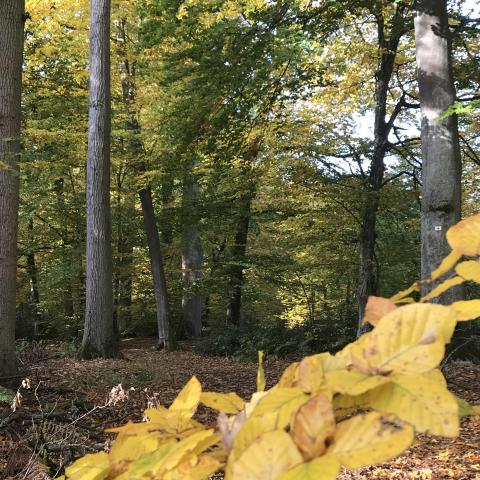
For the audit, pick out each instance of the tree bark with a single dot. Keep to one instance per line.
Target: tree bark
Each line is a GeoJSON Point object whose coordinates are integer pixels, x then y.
{"type": "Point", "coordinates": [239, 248]}
{"type": "Point", "coordinates": [367, 272]}
{"type": "Point", "coordinates": [441, 168]}
{"type": "Point", "coordinates": [11, 56]}
{"type": "Point", "coordinates": [32, 272]}
{"type": "Point", "coordinates": [100, 338]}
{"type": "Point", "coordinates": [192, 256]}
{"type": "Point", "coordinates": [166, 337]}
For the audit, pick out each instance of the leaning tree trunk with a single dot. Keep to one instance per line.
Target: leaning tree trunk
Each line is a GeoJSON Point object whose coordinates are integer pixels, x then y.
{"type": "Point", "coordinates": [11, 51]}
{"type": "Point", "coordinates": [100, 338]}
{"type": "Point", "coordinates": [367, 274]}
{"type": "Point", "coordinates": [441, 167]}
{"type": "Point", "coordinates": [166, 337]}
{"type": "Point", "coordinates": [192, 256]}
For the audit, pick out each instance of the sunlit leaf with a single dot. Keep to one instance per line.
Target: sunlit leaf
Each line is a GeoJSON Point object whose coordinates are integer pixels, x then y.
{"type": "Point", "coordinates": [94, 466]}
{"type": "Point", "coordinates": [376, 308]}
{"type": "Point", "coordinates": [421, 400]}
{"type": "Point", "coordinates": [411, 339]}
{"type": "Point", "coordinates": [260, 373]}
{"type": "Point", "coordinates": [415, 287]}
{"type": "Point", "coordinates": [467, 309]}
{"type": "Point", "coordinates": [283, 402]}
{"type": "Point", "coordinates": [442, 287]}
{"type": "Point", "coordinates": [267, 458]}
{"type": "Point", "coordinates": [447, 264]}
{"type": "Point", "coordinates": [464, 237]}
{"type": "Point", "coordinates": [223, 402]}
{"type": "Point", "coordinates": [323, 468]}
{"type": "Point", "coordinates": [369, 439]}
{"type": "Point", "coordinates": [312, 425]}
{"type": "Point", "coordinates": [353, 382]}
{"type": "Point", "coordinates": [310, 373]}
{"type": "Point", "coordinates": [469, 270]}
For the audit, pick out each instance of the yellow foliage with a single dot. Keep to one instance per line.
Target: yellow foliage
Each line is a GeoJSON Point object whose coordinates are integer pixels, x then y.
{"type": "Point", "coordinates": [222, 402]}
{"type": "Point", "coordinates": [370, 438]}
{"type": "Point", "coordinates": [295, 431]}
{"type": "Point", "coordinates": [464, 237]}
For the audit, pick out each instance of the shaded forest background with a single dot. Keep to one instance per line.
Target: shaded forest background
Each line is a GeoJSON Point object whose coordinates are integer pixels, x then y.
{"type": "Point", "coordinates": [251, 126]}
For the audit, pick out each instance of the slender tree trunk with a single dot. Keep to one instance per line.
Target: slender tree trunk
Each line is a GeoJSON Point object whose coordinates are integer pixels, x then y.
{"type": "Point", "coordinates": [192, 256]}
{"type": "Point", "coordinates": [33, 280]}
{"type": "Point", "coordinates": [11, 55]}
{"type": "Point", "coordinates": [239, 248]}
{"type": "Point", "coordinates": [165, 337]}
{"type": "Point", "coordinates": [238, 253]}
{"type": "Point", "coordinates": [367, 273]}
{"type": "Point", "coordinates": [441, 168]}
{"type": "Point", "coordinates": [100, 337]}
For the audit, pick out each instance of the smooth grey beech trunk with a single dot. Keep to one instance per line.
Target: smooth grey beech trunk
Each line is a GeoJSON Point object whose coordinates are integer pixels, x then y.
{"type": "Point", "coordinates": [388, 39]}
{"type": "Point", "coordinates": [100, 338]}
{"type": "Point", "coordinates": [441, 167]}
{"type": "Point", "coordinates": [11, 57]}
{"type": "Point", "coordinates": [166, 339]}
{"type": "Point", "coordinates": [192, 255]}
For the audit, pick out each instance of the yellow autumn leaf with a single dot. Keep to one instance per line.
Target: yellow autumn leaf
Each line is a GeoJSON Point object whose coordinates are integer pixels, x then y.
{"type": "Point", "coordinates": [442, 287]}
{"type": "Point", "coordinates": [188, 398]}
{"type": "Point", "coordinates": [127, 448]}
{"type": "Point", "coordinates": [180, 412]}
{"type": "Point", "coordinates": [353, 382]}
{"type": "Point", "coordinates": [466, 309]}
{"type": "Point", "coordinates": [289, 377]}
{"type": "Point", "coordinates": [267, 458]}
{"type": "Point", "coordinates": [94, 466]}
{"type": "Point", "coordinates": [202, 468]}
{"type": "Point", "coordinates": [376, 308]}
{"type": "Point", "coordinates": [310, 374]}
{"type": "Point", "coordinates": [283, 402]}
{"type": "Point", "coordinates": [168, 456]}
{"type": "Point", "coordinates": [464, 408]}
{"type": "Point", "coordinates": [421, 400]}
{"type": "Point", "coordinates": [260, 373]}
{"type": "Point", "coordinates": [157, 414]}
{"type": "Point", "coordinates": [469, 270]}
{"type": "Point", "coordinates": [145, 465]}
{"type": "Point", "coordinates": [345, 405]}
{"type": "Point", "coordinates": [323, 468]}
{"type": "Point", "coordinates": [223, 402]}
{"type": "Point", "coordinates": [475, 409]}
{"type": "Point", "coordinates": [447, 264]}
{"type": "Point", "coordinates": [369, 439]}
{"type": "Point", "coordinates": [313, 425]}
{"type": "Point", "coordinates": [415, 287]}
{"type": "Point", "coordinates": [411, 339]}
{"type": "Point", "coordinates": [464, 237]}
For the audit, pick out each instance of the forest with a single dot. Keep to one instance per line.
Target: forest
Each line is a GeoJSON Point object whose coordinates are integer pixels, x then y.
{"type": "Point", "coordinates": [198, 197]}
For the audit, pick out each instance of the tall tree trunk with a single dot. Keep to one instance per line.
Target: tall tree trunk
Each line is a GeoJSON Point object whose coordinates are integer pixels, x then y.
{"type": "Point", "coordinates": [239, 248]}
{"type": "Point", "coordinates": [441, 167]}
{"type": "Point", "coordinates": [11, 55]}
{"type": "Point", "coordinates": [192, 255]}
{"type": "Point", "coordinates": [367, 274]}
{"type": "Point", "coordinates": [238, 253]}
{"type": "Point", "coordinates": [100, 338]}
{"type": "Point", "coordinates": [32, 272]}
{"type": "Point", "coordinates": [166, 337]}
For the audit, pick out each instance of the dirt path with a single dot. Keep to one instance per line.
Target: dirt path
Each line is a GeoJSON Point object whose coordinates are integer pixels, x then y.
{"type": "Point", "coordinates": [65, 411]}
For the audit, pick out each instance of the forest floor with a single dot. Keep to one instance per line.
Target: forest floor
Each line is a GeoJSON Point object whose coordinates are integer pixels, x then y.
{"type": "Point", "coordinates": [68, 406]}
